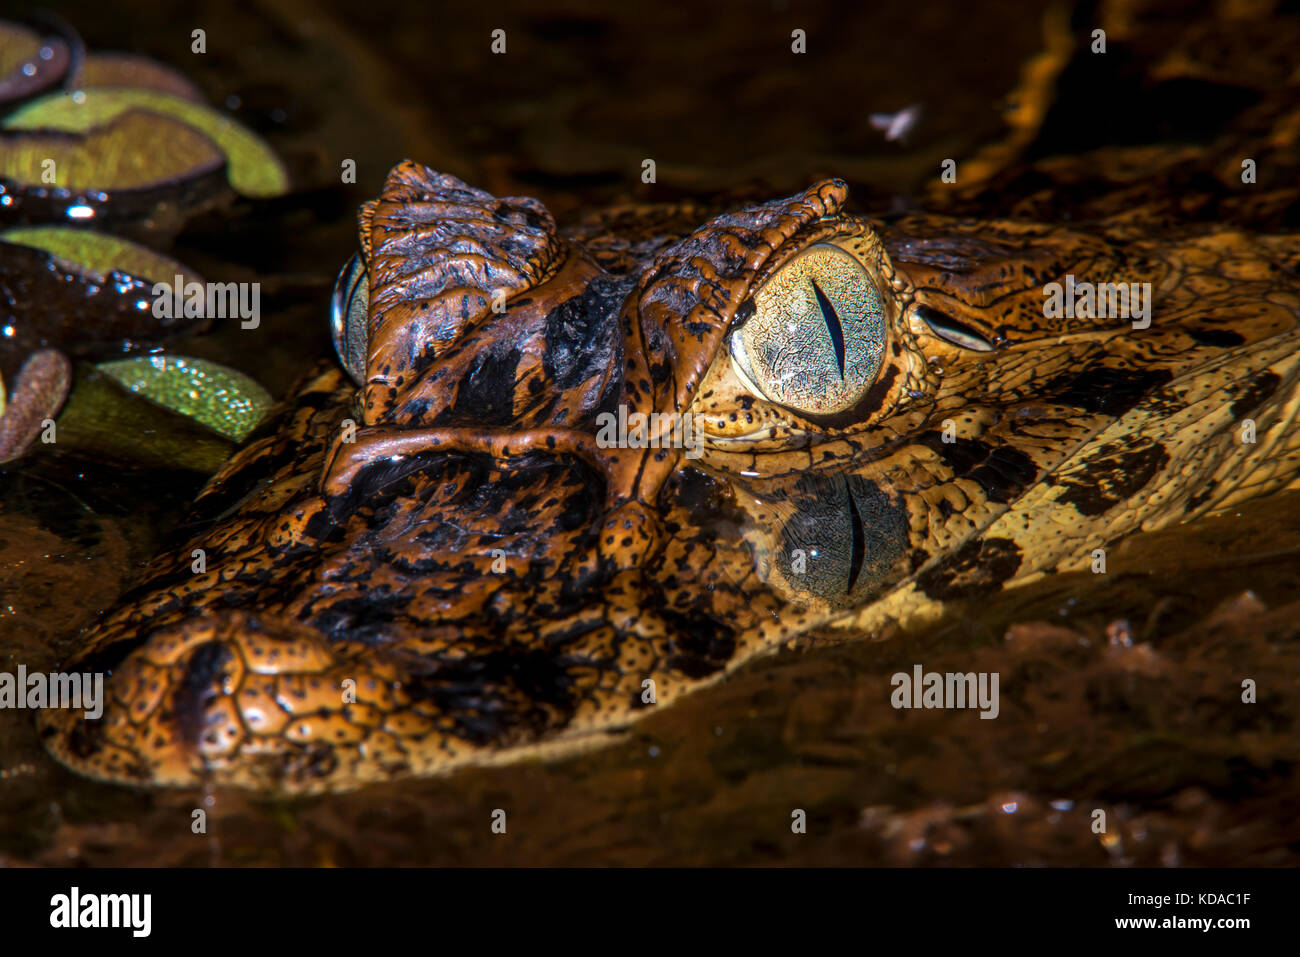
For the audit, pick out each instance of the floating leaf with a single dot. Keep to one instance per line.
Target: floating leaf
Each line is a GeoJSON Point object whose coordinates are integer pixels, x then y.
{"type": "Point", "coordinates": [135, 149]}
{"type": "Point", "coordinates": [96, 254]}
{"type": "Point", "coordinates": [39, 391]}
{"type": "Point", "coordinates": [29, 63]}
{"type": "Point", "coordinates": [106, 70]}
{"type": "Point", "coordinates": [254, 169]}
{"type": "Point", "coordinates": [225, 400]}
{"type": "Point", "coordinates": [105, 420]}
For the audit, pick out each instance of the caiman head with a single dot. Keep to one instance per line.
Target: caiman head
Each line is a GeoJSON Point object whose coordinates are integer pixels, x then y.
{"type": "Point", "coordinates": [586, 472]}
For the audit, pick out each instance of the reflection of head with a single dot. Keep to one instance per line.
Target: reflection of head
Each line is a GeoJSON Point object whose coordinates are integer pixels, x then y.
{"type": "Point", "coordinates": [838, 539]}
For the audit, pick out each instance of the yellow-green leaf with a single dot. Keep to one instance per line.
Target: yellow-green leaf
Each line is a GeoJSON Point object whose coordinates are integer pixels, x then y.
{"type": "Point", "coordinates": [136, 149]}
{"type": "Point", "coordinates": [254, 168]}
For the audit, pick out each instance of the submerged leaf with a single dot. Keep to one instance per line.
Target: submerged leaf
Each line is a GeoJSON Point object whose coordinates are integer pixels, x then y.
{"type": "Point", "coordinates": [98, 254]}
{"type": "Point", "coordinates": [107, 421]}
{"type": "Point", "coordinates": [225, 400]}
{"type": "Point", "coordinates": [254, 169]}
{"type": "Point", "coordinates": [104, 70]}
{"type": "Point", "coordinates": [50, 305]}
{"type": "Point", "coordinates": [29, 63]}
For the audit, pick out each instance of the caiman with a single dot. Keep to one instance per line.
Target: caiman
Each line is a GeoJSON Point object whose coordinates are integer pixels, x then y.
{"type": "Point", "coordinates": [561, 477]}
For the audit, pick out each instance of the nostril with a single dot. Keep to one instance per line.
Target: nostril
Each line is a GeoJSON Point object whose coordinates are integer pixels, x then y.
{"type": "Point", "coordinates": [200, 685]}
{"type": "Point", "coordinates": [83, 738]}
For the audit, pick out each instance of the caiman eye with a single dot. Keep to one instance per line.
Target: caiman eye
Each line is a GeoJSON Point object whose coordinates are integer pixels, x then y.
{"type": "Point", "coordinates": [816, 337]}
{"type": "Point", "coordinates": [951, 330]}
{"type": "Point", "coordinates": [348, 307]}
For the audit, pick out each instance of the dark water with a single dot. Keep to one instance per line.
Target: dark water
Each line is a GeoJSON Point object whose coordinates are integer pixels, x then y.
{"type": "Point", "coordinates": [1136, 720]}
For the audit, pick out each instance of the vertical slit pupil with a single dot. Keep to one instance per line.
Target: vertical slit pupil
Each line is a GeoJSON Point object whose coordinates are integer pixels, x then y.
{"type": "Point", "coordinates": [832, 325]}
{"type": "Point", "coordinates": [859, 549]}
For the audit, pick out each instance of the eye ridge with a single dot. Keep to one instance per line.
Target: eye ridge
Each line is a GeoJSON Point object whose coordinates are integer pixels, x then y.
{"type": "Point", "coordinates": [832, 324]}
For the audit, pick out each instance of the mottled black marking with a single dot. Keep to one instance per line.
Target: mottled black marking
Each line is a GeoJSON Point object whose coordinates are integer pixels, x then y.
{"type": "Point", "coordinates": [1223, 338]}
{"type": "Point", "coordinates": [322, 528]}
{"type": "Point", "coordinates": [701, 645]}
{"type": "Point", "coordinates": [377, 476]}
{"type": "Point", "coordinates": [84, 740]}
{"type": "Point", "coordinates": [582, 338]}
{"type": "Point", "coordinates": [1006, 473]}
{"type": "Point", "coordinates": [495, 693]}
{"type": "Point", "coordinates": [1002, 472]}
{"type": "Point", "coordinates": [1105, 390]}
{"type": "Point", "coordinates": [1113, 477]}
{"type": "Point", "coordinates": [1201, 496]}
{"type": "Point", "coordinates": [368, 618]}
{"type": "Point", "coordinates": [977, 568]}
{"type": "Point", "coordinates": [609, 397]}
{"type": "Point", "coordinates": [315, 761]}
{"type": "Point", "coordinates": [1258, 391]}
{"type": "Point", "coordinates": [486, 396]}
{"type": "Point", "coordinates": [417, 408]}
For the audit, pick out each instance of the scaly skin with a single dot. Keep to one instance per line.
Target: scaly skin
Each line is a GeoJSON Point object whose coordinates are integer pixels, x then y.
{"type": "Point", "coordinates": [445, 568]}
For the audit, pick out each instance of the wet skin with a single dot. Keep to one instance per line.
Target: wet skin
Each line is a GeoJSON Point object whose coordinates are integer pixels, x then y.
{"type": "Point", "coordinates": [429, 558]}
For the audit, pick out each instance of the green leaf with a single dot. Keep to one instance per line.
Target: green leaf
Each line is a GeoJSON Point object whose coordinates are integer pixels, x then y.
{"type": "Point", "coordinates": [98, 254]}
{"type": "Point", "coordinates": [225, 400]}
